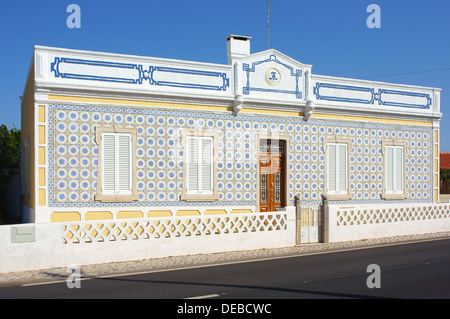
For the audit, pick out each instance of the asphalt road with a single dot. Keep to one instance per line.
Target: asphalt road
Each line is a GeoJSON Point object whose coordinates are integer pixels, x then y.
{"type": "Point", "coordinates": [414, 270]}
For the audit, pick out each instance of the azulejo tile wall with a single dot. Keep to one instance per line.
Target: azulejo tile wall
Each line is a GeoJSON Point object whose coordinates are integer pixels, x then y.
{"type": "Point", "coordinates": [73, 155]}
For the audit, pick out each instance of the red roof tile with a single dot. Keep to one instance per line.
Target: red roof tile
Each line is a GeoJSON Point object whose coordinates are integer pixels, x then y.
{"type": "Point", "coordinates": [444, 160]}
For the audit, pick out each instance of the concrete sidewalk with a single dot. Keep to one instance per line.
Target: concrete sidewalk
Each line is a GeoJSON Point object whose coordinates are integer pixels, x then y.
{"type": "Point", "coordinates": [179, 262]}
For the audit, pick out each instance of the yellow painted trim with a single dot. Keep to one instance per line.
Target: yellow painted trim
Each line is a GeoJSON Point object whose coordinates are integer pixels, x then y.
{"type": "Point", "coordinates": [159, 213]}
{"type": "Point", "coordinates": [436, 166]}
{"type": "Point", "coordinates": [65, 217]}
{"type": "Point", "coordinates": [41, 176]}
{"type": "Point", "coordinates": [187, 213]}
{"type": "Point", "coordinates": [369, 119]}
{"type": "Point", "coordinates": [129, 214]}
{"type": "Point", "coordinates": [98, 215]}
{"type": "Point", "coordinates": [241, 211]}
{"type": "Point", "coordinates": [42, 113]}
{"type": "Point", "coordinates": [215, 212]}
{"type": "Point", "coordinates": [41, 137]}
{"type": "Point", "coordinates": [41, 155]}
{"type": "Point", "coordinates": [436, 195]}
{"type": "Point", "coordinates": [42, 197]}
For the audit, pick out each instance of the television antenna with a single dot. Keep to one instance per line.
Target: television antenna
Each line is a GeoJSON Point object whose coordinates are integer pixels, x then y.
{"type": "Point", "coordinates": [268, 24]}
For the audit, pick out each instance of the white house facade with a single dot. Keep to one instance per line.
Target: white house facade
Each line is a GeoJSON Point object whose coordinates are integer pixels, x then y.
{"type": "Point", "coordinates": [110, 136]}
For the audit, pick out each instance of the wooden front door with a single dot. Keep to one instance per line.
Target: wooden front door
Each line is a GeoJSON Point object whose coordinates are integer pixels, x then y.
{"type": "Point", "coordinates": [271, 175]}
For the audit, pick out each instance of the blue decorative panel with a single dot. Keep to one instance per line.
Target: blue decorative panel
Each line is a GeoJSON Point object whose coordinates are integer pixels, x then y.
{"type": "Point", "coordinates": [373, 95]}
{"type": "Point", "coordinates": [295, 73]}
{"type": "Point", "coordinates": [80, 76]}
{"type": "Point", "coordinates": [103, 71]}
{"type": "Point", "coordinates": [184, 84]}
{"type": "Point", "coordinates": [345, 88]}
{"type": "Point", "coordinates": [402, 93]}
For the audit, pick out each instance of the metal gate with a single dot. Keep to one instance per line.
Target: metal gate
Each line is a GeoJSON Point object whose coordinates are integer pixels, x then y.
{"type": "Point", "coordinates": [310, 223]}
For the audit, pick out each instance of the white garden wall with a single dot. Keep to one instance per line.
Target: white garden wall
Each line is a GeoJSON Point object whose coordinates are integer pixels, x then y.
{"type": "Point", "coordinates": [45, 245]}
{"type": "Point", "coordinates": [357, 222]}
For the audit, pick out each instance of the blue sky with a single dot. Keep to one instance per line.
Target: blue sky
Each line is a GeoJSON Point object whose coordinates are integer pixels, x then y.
{"type": "Point", "coordinates": [412, 43]}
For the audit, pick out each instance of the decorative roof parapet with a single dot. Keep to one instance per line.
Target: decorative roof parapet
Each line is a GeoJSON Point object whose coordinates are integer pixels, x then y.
{"type": "Point", "coordinates": [267, 79]}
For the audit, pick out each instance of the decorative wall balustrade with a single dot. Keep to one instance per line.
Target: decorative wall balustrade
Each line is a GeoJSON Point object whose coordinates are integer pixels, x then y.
{"type": "Point", "coordinates": [172, 227]}
{"type": "Point", "coordinates": [391, 213]}
{"type": "Point", "coordinates": [48, 245]}
{"type": "Point", "coordinates": [360, 222]}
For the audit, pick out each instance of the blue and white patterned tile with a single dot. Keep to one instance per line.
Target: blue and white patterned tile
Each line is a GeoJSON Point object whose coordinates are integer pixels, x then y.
{"type": "Point", "coordinates": [73, 155]}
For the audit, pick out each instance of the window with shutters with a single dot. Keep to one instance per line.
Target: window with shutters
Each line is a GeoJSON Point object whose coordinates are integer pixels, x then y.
{"type": "Point", "coordinates": [115, 169]}
{"type": "Point", "coordinates": [337, 168]}
{"type": "Point", "coordinates": [394, 170]}
{"type": "Point", "coordinates": [199, 171]}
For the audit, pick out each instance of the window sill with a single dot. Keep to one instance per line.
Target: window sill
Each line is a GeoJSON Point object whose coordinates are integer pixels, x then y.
{"type": "Point", "coordinates": [394, 196]}
{"type": "Point", "coordinates": [116, 198]}
{"type": "Point", "coordinates": [199, 197]}
{"type": "Point", "coordinates": [338, 196]}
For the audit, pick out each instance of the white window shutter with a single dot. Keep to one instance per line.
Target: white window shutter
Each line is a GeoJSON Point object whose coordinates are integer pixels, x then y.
{"type": "Point", "coordinates": [394, 169]}
{"type": "Point", "coordinates": [337, 169]}
{"type": "Point", "coordinates": [389, 169]}
{"type": "Point", "coordinates": [200, 164]}
{"type": "Point", "coordinates": [109, 163]}
{"type": "Point", "coordinates": [207, 168]}
{"type": "Point", "coordinates": [123, 163]}
{"type": "Point", "coordinates": [342, 169]}
{"type": "Point", "coordinates": [192, 164]}
{"type": "Point", "coordinates": [332, 168]}
{"type": "Point", "coordinates": [398, 169]}
{"type": "Point", "coordinates": [116, 163]}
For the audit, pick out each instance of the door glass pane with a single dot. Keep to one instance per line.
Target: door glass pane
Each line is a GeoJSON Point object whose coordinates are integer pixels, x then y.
{"type": "Point", "coordinates": [264, 146]}
{"type": "Point", "coordinates": [263, 188]}
{"type": "Point", "coordinates": [277, 147]}
{"type": "Point", "coordinates": [277, 187]}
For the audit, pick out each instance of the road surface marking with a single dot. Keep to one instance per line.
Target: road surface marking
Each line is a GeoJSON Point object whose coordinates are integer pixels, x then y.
{"type": "Point", "coordinates": [204, 296]}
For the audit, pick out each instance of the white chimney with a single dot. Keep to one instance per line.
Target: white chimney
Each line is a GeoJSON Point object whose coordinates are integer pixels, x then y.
{"type": "Point", "coordinates": [238, 46]}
